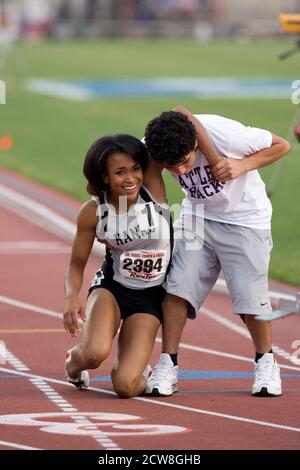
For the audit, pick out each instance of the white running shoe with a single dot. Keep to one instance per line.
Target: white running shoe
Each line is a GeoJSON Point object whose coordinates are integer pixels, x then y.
{"type": "Point", "coordinates": [163, 380]}
{"type": "Point", "coordinates": [83, 381]}
{"type": "Point", "coordinates": [267, 382]}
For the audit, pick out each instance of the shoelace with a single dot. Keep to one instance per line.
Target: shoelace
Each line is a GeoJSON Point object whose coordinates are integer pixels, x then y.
{"type": "Point", "coordinates": [264, 373]}
{"type": "Point", "coordinates": [160, 373]}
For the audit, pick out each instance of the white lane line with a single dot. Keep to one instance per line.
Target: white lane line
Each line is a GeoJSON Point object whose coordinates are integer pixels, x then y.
{"type": "Point", "coordinates": [224, 354]}
{"type": "Point", "coordinates": [41, 215]}
{"type": "Point", "coordinates": [26, 247]}
{"type": "Point", "coordinates": [36, 212]}
{"type": "Point", "coordinates": [164, 403]}
{"type": "Point", "coordinates": [30, 307]}
{"type": "Point", "coordinates": [15, 362]}
{"type": "Point", "coordinates": [64, 405]}
{"type": "Point", "coordinates": [244, 332]}
{"type": "Point", "coordinates": [222, 415]}
{"type": "Point", "coordinates": [52, 313]}
{"type": "Point", "coordinates": [51, 380]}
{"type": "Point", "coordinates": [18, 446]}
{"type": "Point", "coordinates": [59, 401]}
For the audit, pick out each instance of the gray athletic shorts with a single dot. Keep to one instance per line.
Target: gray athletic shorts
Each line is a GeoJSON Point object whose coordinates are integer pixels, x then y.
{"type": "Point", "coordinates": [205, 248]}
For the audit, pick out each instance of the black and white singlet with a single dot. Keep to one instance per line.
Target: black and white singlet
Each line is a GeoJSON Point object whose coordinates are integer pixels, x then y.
{"type": "Point", "coordinates": [142, 241]}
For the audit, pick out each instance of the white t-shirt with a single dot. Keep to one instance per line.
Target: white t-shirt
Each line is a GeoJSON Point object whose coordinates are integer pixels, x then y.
{"type": "Point", "coordinates": [241, 201]}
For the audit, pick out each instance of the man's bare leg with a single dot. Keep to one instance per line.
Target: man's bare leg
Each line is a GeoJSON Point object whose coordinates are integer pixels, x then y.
{"type": "Point", "coordinates": [174, 319]}
{"type": "Point", "coordinates": [261, 333]}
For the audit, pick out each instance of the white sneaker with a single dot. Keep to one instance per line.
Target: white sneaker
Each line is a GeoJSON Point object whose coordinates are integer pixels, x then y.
{"type": "Point", "coordinates": [163, 380]}
{"type": "Point", "coordinates": [83, 380]}
{"type": "Point", "coordinates": [267, 382]}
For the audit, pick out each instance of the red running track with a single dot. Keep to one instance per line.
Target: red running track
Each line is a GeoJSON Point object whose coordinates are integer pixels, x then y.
{"type": "Point", "coordinates": [38, 409]}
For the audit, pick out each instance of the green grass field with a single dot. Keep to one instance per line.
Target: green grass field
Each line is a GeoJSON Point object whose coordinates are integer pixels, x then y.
{"type": "Point", "coordinates": [52, 135]}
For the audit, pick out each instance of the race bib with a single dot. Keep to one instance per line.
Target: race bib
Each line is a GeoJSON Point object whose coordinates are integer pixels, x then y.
{"type": "Point", "coordinates": [144, 265]}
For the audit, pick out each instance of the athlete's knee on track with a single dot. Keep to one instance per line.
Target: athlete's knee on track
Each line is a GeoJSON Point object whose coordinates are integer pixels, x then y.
{"type": "Point", "coordinates": [126, 385]}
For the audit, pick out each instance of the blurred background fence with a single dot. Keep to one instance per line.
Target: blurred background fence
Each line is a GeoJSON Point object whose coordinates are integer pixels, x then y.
{"type": "Point", "coordinates": [198, 19]}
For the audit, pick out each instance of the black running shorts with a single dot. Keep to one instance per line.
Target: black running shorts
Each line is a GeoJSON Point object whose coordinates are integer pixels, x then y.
{"type": "Point", "coordinates": [132, 301]}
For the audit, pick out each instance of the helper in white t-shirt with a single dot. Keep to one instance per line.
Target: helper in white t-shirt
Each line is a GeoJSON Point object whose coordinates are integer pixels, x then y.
{"type": "Point", "coordinates": [241, 201]}
{"type": "Point", "coordinates": [225, 224]}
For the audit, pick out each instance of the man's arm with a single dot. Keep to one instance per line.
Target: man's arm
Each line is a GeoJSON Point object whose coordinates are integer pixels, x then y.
{"type": "Point", "coordinates": [203, 139]}
{"type": "Point", "coordinates": [230, 168]}
{"type": "Point", "coordinates": [153, 181]}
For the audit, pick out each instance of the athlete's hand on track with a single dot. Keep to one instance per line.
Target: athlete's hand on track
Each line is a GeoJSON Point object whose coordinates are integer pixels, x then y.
{"type": "Point", "coordinates": [228, 169]}
{"type": "Point", "coordinates": [73, 309]}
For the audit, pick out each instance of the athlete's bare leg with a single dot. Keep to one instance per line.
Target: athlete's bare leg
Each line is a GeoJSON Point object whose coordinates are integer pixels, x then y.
{"type": "Point", "coordinates": [136, 343]}
{"type": "Point", "coordinates": [102, 323]}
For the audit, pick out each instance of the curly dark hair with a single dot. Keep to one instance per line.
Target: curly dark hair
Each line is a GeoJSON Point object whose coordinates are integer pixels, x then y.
{"type": "Point", "coordinates": [170, 137]}
{"type": "Point", "coordinates": [95, 161]}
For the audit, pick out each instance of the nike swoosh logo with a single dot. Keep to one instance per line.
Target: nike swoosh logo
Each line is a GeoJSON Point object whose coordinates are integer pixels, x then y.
{"type": "Point", "coordinates": [264, 304]}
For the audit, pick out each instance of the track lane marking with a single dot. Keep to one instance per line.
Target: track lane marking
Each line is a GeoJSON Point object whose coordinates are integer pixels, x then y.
{"type": "Point", "coordinates": [244, 332]}
{"type": "Point", "coordinates": [18, 446]}
{"type": "Point", "coordinates": [42, 216]}
{"type": "Point", "coordinates": [30, 307]}
{"type": "Point", "coordinates": [163, 403]}
{"type": "Point", "coordinates": [99, 436]}
{"type": "Point", "coordinates": [33, 330]}
{"type": "Point", "coordinates": [27, 247]}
